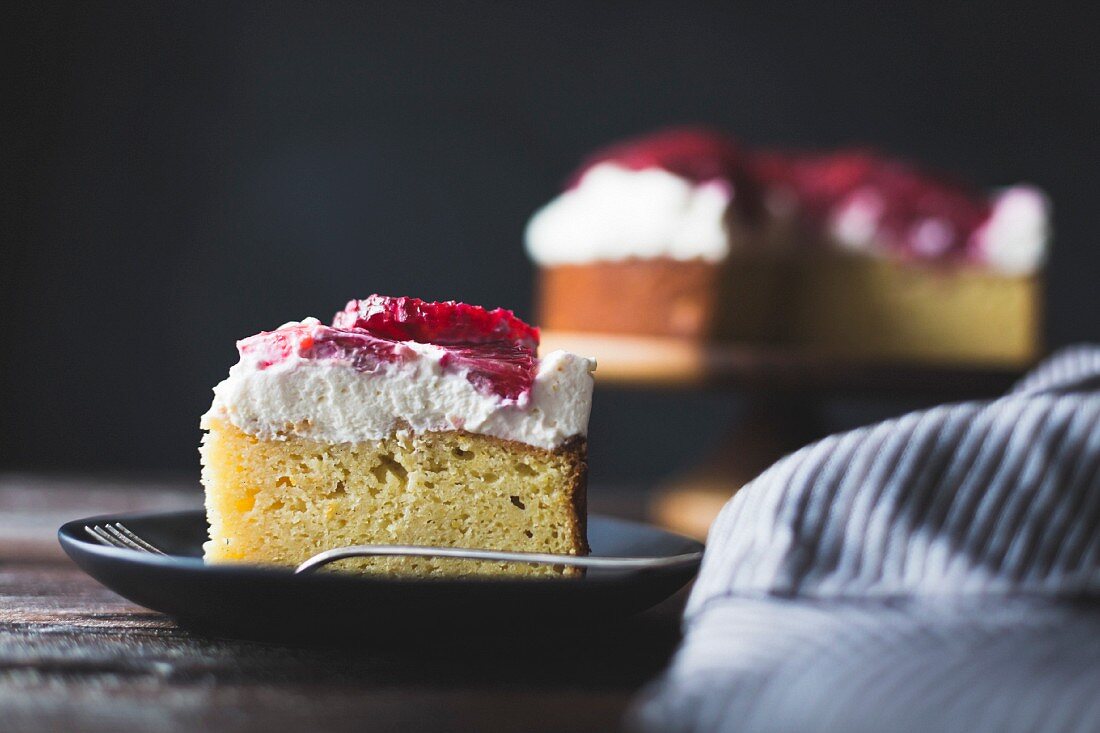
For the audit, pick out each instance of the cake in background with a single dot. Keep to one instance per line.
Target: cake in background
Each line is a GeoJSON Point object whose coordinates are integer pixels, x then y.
{"type": "Point", "coordinates": [848, 253]}
{"type": "Point", "coordinates": [896, 262]}
{"type": "Point", "coordinates": [404, 422]}
{"type": "Point", "coordinates": [640, 240]}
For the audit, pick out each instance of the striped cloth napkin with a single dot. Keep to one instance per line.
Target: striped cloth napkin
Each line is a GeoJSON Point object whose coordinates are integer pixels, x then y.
{"type": "Point", "coordinates": [934, 572]}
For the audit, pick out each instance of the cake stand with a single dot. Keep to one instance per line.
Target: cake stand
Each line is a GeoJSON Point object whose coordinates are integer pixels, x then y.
{"type": "Point", "coordinates": [784, 390]}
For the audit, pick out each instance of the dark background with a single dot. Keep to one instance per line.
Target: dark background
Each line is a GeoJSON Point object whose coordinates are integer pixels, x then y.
{"type": "Point", "coordinates": [184, 174]}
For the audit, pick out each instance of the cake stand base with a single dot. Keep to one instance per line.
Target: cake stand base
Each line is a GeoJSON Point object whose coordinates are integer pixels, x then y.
{"type": "Point", "coordinates": [785, 389]}
{"type": "Point", "coordinates": [773, 426]}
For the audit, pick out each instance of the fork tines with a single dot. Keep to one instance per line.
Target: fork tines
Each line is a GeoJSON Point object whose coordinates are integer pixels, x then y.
{"type": "Point", "coordinates": [117, 535]}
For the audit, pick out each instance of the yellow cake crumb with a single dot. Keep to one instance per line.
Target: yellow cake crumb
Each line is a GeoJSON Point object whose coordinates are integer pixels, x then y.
{"type": "Point", "coordinates": [282, 501]}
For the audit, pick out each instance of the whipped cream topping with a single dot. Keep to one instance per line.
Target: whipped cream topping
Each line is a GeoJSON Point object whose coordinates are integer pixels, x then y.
{"type": "Point", "coordinates": [1012, 240]}
{"type": "Point", "coordinates": [679, 194]}
{"type": "Point", "coordinates": [1015, 238]}
{"type": "Point", "coordinates": [855, 224]}
{"type": "Point", "coordinates": [614, 213]}
{"type": "Point", "coordinates": [418, 387]}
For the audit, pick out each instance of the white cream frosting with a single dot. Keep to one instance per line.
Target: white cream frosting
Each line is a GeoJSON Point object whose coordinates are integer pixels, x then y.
{"type": "Point", "coordinates": [330, 401]}
{"type": "Point", "coordinates": [1015, 238]}
{"type": "Point", "coordinates": [1013, 241]}
{"type": "Point", "coordinates": [615, 213]}
{"type": "Point", "coordinates": [855, 223]}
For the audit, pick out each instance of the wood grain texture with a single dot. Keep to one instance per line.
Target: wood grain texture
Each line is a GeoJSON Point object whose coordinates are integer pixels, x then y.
{"type": "Point", "coordinates": [76, 657]}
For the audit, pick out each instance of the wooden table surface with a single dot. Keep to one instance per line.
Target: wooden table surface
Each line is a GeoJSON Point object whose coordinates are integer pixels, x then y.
{"type": "Point", "coordinates": [76, 657]}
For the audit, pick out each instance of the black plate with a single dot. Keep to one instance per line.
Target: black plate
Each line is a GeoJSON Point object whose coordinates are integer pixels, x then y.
{"type": "Point", "coordinates": [253, 601]}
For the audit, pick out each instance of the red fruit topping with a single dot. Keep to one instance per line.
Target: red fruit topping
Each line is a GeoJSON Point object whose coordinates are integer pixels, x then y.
{"type": "Point", "coordinates": [495, 349]}
{"type": "Point", "coordinates": [317, 341]}
{"type": "Point", "coordinates": [697, 154]}
{"type": "Point", "coordinates": [412, 319]}
{"type": "Point", "coordinates": [920, 214]}
{"type": "Point", "coordinates": [499, 368]}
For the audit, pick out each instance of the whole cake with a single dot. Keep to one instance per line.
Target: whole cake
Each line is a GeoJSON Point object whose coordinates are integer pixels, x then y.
{"type": "Point", "coordinates": [404, 422]}
{"type": "Point", "coordinates": [682, 234]}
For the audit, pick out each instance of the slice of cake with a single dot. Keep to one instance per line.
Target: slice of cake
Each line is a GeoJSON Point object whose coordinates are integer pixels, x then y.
{"type": "Point", "coordinates": [404, 422]}
{"type": "Point", "coordinates": [683, 235]}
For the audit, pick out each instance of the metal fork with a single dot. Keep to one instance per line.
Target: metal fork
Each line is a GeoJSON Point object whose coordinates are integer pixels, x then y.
{"type": "Point", "coordinates": [117, 535]}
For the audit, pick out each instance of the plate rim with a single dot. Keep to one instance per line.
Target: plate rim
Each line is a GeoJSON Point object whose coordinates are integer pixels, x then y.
{"type": "Point", "coordinates": [70, 539]}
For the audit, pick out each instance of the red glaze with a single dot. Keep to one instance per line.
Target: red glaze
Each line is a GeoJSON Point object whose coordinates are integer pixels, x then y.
{"type": "Point", "coordinates": [495, 349]}
{"type": "Point", "coordinates": [449, 322]}
{"type": "Point", "coordinates": [317, 341]}
{"type": "Point", "coordinates": [921, 215]}
{"type": "Point", "coordinates": [695, 153]}
{"type": "Point", "coordinates": [908, 198]}
{"type": "Point", "coordinates": [498, 367]}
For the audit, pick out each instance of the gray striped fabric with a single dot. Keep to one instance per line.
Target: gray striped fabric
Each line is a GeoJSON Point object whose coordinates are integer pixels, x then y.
{"type": "Point", "coordinates": [931, 572]}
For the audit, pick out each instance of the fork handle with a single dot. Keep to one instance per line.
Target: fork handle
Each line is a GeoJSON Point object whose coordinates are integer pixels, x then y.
{"type": "Point", "coordinates": [538, 558]}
